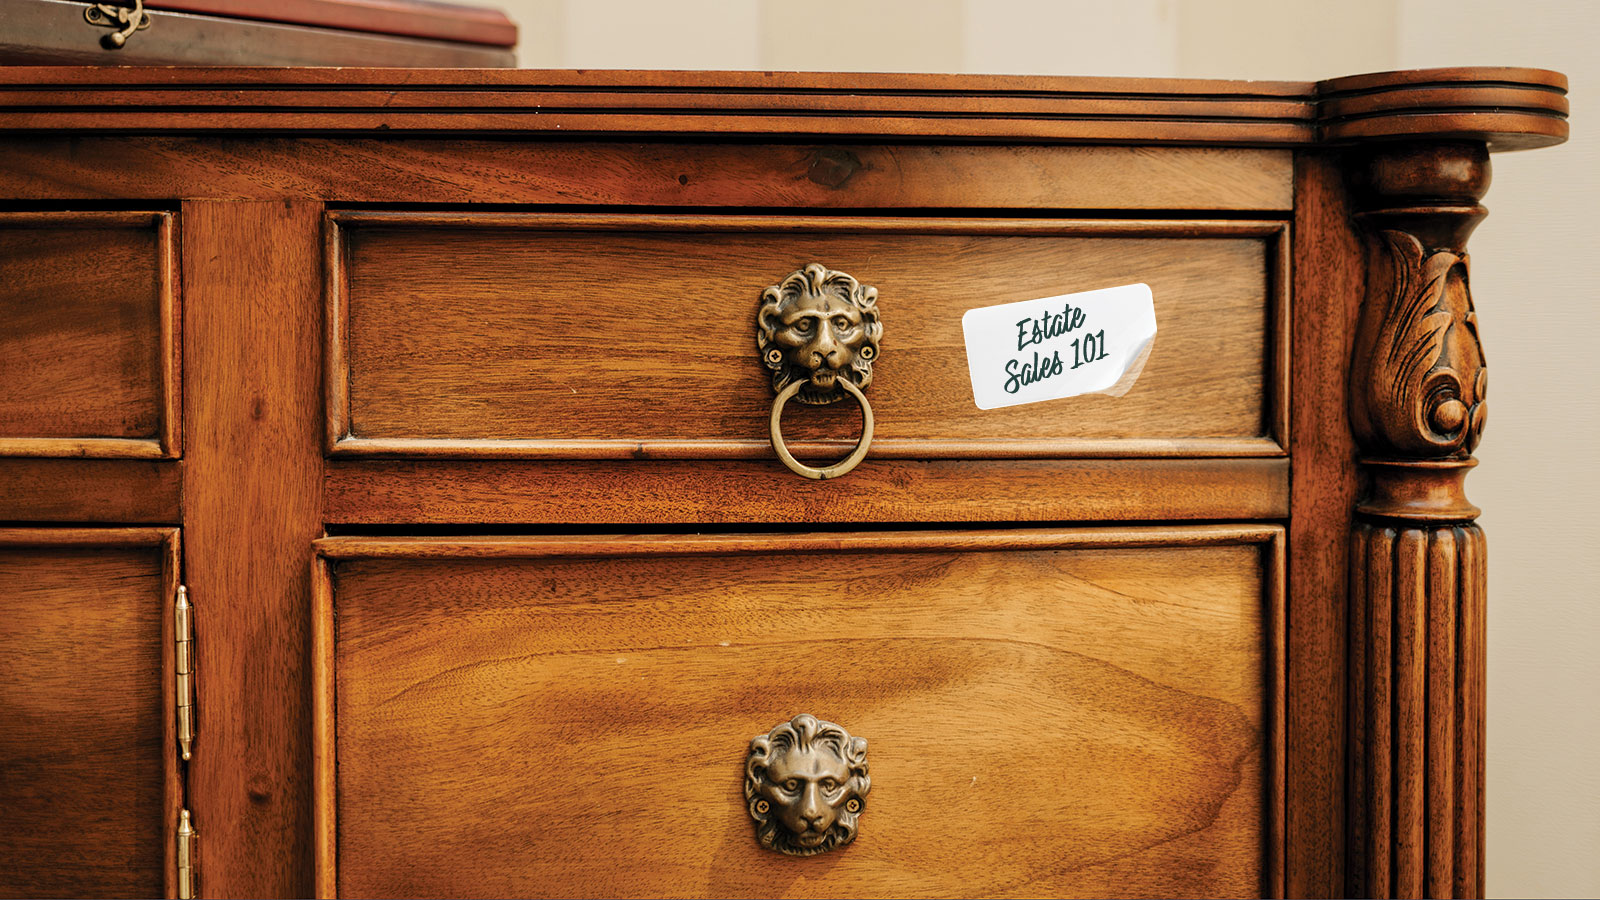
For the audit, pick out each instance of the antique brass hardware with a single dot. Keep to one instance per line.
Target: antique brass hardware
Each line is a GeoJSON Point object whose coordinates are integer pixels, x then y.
{"type": "Point", "coordinates": [775, 428]}
{"type": "Point", "coordinates": [126, 20]}
{"type": "Point", "coordinates": [818, 333]}
{"type": "Point", "coordinates": [806, 784]}
{"type": "Point", "coordinates": [186, 856]}
{"type": "Point", "coordinates": [183, 667]}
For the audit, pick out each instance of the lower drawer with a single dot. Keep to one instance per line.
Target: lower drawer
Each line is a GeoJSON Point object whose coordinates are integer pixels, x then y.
{"type": "Point", "coordinates": [1068, 712]}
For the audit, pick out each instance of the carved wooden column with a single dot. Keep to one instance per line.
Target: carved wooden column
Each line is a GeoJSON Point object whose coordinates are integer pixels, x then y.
{"type": "Point", "coordinates": [1417, 408]}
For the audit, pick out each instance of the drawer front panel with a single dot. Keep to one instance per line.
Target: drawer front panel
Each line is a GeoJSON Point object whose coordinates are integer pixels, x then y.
{"type": "Point", "coordinates": [629, 337]}
{"type": "Point", "coordinates": [1071, 713]}
{"type": "Point", "coordinates": [88, 361]}
{"type": "Point", "coordinates": [87, 781]}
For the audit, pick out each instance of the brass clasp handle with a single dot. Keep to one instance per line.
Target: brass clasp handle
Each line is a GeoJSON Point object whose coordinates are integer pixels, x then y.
{"type": "Point", "coordinates": [124, 19]}
{"type": "Point", "coordinates": [818, 333]}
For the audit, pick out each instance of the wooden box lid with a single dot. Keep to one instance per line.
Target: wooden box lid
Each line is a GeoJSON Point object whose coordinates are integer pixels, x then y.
{"type": "Point", "coordinates": [367, 33]}
{"type": "Point", "coordinates": [410, 18]}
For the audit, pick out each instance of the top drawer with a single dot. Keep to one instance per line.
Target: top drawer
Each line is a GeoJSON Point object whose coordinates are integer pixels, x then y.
{"type": "Point", "coordinates": [634, 336]}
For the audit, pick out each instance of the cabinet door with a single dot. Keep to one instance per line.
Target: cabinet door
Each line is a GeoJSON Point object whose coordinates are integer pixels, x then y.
{"type": "Point", "coordinates": [88, 765]}
{"type": "Point", "coordinates": [1083, 712]}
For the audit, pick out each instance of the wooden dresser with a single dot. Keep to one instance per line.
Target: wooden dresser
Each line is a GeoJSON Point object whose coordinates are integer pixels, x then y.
{"type": "Point", "coordinates": [391, 504]}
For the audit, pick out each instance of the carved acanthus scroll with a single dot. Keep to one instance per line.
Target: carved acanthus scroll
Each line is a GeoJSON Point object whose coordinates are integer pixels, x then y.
{"type": "Point", "coordinates": [1424, 380]}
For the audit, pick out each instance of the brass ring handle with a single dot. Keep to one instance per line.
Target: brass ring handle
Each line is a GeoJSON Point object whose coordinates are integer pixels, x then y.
{"type": "Point", "coordinates": [842, 466]}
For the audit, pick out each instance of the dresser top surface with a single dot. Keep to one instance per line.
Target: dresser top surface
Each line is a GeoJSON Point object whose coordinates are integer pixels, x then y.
{"type": "Point", "coordinates": [1510, 108]}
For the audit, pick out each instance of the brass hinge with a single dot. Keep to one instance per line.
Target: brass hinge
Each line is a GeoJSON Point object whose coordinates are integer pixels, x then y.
{"type": "Point", "coordinates": [186, 856]}
{"type": "Point", "coordinates": [183, 666]}
{"type": "Point", "coordinates": [183, 655]}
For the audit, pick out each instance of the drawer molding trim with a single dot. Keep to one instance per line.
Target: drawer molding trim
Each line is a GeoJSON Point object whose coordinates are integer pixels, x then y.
{"type": "Point", "coordinates": [539, 547]}
{"type": "Point", "coordinates": [578, 492]}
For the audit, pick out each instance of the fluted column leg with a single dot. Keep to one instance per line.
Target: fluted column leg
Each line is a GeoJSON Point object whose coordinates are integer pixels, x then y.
{"type": "Point", "coordinates": [1418, 651]}
{"type": "Point", "coordinates": [1417, 563]}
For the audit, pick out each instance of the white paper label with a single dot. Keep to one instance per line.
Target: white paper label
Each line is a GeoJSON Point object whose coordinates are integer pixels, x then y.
{"type": "Point", "coordinates": [1094, 342]}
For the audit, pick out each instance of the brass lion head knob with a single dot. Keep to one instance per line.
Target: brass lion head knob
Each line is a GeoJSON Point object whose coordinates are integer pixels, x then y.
{"type": "Point", "coordinates": [806, 784]}
{"type": "Point", "coordinates": [818, 333]}
{"type": "Point", "coordinates": [819, 326]}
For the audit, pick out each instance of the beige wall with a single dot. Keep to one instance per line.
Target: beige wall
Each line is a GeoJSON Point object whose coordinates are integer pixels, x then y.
{"type": "Point", "coordinates": [1535, 271]}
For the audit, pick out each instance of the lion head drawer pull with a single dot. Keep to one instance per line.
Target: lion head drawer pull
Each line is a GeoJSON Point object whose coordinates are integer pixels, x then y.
{"type": "Point", "coordinates": [818, 333]}
{"type": "Point", "coordinates": [806, 785]}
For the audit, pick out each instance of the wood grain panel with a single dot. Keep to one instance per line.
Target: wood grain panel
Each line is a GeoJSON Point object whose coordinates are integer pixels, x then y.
{"type": "Point", "coordinates": [1079, 713]}
{"type": "Point", "coordinates": [88, 335]}
{"type": "Point", "coordinates": [795, 176]}
{"type": "Point", "coordinates": [630, 337]}
{"type": "Point", "coordinates": [110, 491]}
{"type": "Point", "coordinates": [1328, 279]}
{"type": "Point", "coordinates": [89, 787]}
{"type": "Point", "coordinates": [252, 506]}
{"type": "Point", "coordinates": [600, 492]}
